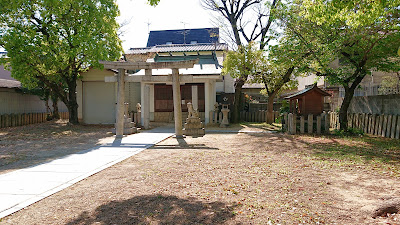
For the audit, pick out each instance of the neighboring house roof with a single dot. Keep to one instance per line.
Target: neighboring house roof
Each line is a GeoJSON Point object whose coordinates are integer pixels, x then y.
{"type": "Point", "coordinates": [6, 81]}
{"type": "Point", "coordinates": [306, 90]}
{"type": "Point", "coordinates": [179, 48]}
{"type": "Point", "coordinates": [254, 85]}
{"type": "Point", "coordinates": [205, 50]}
{"type": "Point", "coordinates": [5, 74]}
{"type": "Point", "coordinates": [183, 36]}
{"type": "Point", "coordinates": [9, 83]}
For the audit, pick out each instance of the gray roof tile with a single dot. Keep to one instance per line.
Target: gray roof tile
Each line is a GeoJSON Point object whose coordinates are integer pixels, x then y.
{"type": "Point", "coordinates": [179, 48]}
{"type": "Point", "coordinates": [4, 83]}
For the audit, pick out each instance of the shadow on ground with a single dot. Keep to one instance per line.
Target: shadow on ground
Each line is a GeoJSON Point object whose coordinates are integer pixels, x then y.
{"type": "Point", "coordinates": [182, 144]}
{"type": "Point", "coordinates": [281, 141]}
{"type": "Point", "coordinates": [160, 209]}
{"type": "Point", "coordinates": [264, 126]}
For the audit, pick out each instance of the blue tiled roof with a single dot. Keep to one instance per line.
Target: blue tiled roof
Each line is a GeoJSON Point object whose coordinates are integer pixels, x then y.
{"type": "Point", "coordinates": [183, 36]}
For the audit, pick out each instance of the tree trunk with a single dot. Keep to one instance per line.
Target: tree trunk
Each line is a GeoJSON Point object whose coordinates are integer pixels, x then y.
{"type": "Point", "coordinates": [348, 95]}
{"type": "Point", "coordinates": [46, 102]}
{"type": "Point", "coordinates": [236, 104]}
{"type": "Point", "coordinates": [359, 75]}
{"type": "Point", "coordinates": [54, 99]}
{"type": "Point", "coordinates": [72, 105]}
{"type": "Point", "coordinates": [270, 108]}
{"type": "Point", "coordinates": [392, 205]}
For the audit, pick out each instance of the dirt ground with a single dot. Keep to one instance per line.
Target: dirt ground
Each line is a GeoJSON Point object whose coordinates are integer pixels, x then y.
{"type": "Point", "coordinates": [223, 178]}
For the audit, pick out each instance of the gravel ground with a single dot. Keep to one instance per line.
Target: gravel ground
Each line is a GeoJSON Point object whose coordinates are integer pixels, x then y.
{"type": "Point", "coordinates": [245, 178]}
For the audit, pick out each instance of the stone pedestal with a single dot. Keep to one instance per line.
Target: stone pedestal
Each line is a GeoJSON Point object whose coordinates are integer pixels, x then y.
{"type": "Point", "coordinates": [193, 125]}
{"type": "Point", "coordinates": [129, 126]}
{"type": "Point", "coordinates": [225, 110]}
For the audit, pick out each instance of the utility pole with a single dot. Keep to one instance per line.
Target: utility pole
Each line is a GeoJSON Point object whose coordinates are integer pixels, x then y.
{"type": "Point", "coordinates": [184, 32]}
{"type": "Point", "coordinates": [148, 26]}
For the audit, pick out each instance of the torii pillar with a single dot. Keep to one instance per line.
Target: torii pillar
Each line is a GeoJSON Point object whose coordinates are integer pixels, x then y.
{"type": "Point", "coordinates": [176, 90]}
{"type": "Point", "coordinates": [119, 124]}
{"type": "Point", "coordinates": [148, 66]}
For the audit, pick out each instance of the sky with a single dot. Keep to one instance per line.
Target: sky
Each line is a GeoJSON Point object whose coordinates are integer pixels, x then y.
{"type": "Point", "coordinates": [167, 15]}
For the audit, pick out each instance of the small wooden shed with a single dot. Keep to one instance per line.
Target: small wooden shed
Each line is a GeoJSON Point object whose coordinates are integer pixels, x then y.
{"type": "Point", "coordinates": [307, 101]}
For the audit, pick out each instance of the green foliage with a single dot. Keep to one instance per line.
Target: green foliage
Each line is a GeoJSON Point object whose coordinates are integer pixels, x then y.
{"type": "Point", "coordinates": [153, 2]}
{"type": "Point", "coordinates": [276, 70]}
{"type": "Point", "coordinates": [349, 132]}
{"type": "Point", "coordinates": [270, 69]}
{"type": "Point", "coordinates": [361, 34]}
{"type": "Point", "coordinates": [390, 85]}
{"type": "Point", "coordinates": [246, 60]}
{"type": "Point", "coordinates": [52, 42]}
{"type": "Point", "coordinates": [285, 108]}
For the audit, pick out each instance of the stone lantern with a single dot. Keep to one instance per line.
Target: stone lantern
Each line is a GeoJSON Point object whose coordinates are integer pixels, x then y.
{"type": "Point", "coordinates": [225, 110]}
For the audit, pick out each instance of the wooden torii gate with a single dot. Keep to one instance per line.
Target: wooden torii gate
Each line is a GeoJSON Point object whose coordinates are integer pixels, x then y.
{"type": "Point", "coordinates": [147, 66]}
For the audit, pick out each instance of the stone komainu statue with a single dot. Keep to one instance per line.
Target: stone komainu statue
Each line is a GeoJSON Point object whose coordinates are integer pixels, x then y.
{"type": "Point", "coordinates": [193, 125]}
{"type": "Point", "coordinates": [192, 113]}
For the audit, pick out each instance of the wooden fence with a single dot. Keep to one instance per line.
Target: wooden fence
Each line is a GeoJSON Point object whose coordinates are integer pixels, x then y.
{"type": "Point", "coordinates": [259, 116]}
{"type": "Point", "coordinates": [380, 125]}
{"type": "Point", "coordinates": [13, 120]}
{"type": "Point", "coordinates": [293, 124]}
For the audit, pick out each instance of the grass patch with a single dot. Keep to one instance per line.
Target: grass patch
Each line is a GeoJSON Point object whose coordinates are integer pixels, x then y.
{"type": "Point", "coordinates": [381, 154]}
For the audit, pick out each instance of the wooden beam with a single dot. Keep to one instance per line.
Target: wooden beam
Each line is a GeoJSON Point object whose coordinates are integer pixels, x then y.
{"type": "Point", "coordinates": [149, 65]}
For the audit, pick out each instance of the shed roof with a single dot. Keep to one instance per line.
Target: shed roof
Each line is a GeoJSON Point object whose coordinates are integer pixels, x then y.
{"type": "Point", "coordinates": [306, 90]}
{"type": "Point", "coordinates": [183, 36]}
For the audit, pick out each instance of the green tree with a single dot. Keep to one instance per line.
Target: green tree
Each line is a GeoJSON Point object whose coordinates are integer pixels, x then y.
{"type": "Point", "coordinates": [248, 21]}
{"type": "Point", "coordinates": [45, 94]}
{"type": "Point", "coordinates": [276, 69]}
{"type": "Point", "coordinates": [52, 42]}
{"type": "Point", "coordinates": [284, 62]}
{"type": "Point", "coordinates": [153, 2]}
{"type": "Point", "coordinates": [390, 85]}
{"type": "Point", "coordinates": [361, 34]}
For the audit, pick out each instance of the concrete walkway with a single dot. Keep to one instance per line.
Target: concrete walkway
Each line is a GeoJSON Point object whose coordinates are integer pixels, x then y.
{"type": "Point", "coordinates": [24, 187]}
